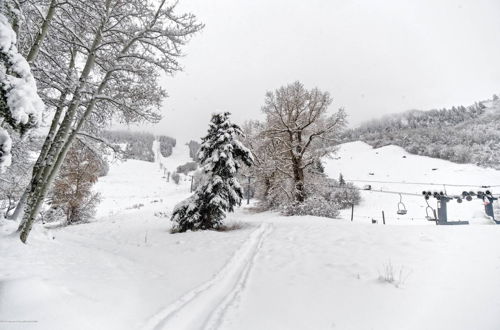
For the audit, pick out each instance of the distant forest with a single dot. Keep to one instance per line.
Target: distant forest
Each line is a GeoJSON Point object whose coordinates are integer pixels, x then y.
{"type": "Point", "coordinates": [460, 134]}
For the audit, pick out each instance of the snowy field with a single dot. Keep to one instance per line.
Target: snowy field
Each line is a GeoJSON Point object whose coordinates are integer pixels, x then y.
{"type": "Point", "coordinates": [126, 271]}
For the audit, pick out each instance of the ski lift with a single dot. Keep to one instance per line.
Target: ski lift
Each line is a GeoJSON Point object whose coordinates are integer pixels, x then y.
{"type": "Point", "coordinates": [467, 195]}
{"type": "Point", "coordinates": [430, 217]}
{"type": "Point", "coordinates": [401, 206]}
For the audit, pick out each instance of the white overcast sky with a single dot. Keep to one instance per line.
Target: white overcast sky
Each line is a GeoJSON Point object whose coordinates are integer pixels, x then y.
{"type": "Point", "coordinates": [374, 57]}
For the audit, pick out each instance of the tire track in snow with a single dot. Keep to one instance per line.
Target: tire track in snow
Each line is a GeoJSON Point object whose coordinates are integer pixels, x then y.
{"type": "Point", "coordinates": [204, 307]}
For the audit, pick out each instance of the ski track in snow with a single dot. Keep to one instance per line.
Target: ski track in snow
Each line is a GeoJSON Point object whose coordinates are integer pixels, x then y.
{"type": "Point", "coordinates": [204, 307]}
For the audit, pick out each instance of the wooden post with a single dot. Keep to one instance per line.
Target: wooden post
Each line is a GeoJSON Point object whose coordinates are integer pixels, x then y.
{"type": "Point", "coordinates": [352, 212]}
{"type": "Point", "coordinates": [248, 191]}
{"type": "Point", "coordinates": [383, 217]}
{"type": "Point", "coordinates": [191, 188]}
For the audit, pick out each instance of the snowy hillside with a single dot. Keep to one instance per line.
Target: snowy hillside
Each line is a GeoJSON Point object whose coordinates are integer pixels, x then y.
{"type": "Point", "coordinates": [380, 167]}
{"type": "Point", "coordinates": [460, 134]}
{"type": "Point", "coordinates": [125, 271]}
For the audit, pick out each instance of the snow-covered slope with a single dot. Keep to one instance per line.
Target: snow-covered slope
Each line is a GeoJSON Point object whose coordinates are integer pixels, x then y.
{"type": "Point", "coordinates": [125, 271]}
{"type": "Point", "coordinates": [360, 162]}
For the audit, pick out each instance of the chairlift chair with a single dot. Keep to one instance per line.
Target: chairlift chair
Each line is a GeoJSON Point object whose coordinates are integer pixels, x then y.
{"type": "Point", "coordinates": [401, 206]}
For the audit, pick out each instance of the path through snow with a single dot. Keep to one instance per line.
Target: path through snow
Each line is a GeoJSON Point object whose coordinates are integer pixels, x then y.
{"type": "Point", "coordinates": [204, 306]}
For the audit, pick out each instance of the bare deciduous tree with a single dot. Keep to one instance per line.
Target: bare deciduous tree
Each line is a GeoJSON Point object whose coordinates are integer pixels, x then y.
{"type": "Point", "coordinates": [300, 131]}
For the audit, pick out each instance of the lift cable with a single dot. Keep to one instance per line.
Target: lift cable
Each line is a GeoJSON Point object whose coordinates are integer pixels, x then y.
{"type": "Point", "coordinates": [388, 191]}
{"type": "Point", "coordinates": [424, 183]}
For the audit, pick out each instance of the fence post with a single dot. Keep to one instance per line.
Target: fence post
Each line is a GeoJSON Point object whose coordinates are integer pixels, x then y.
{"type": "Point", "coordinates": [248, 191]}
{"type": "Point", "coordinates": [383, 217]}
{"type": "Point", "coordinates": [352, 212]}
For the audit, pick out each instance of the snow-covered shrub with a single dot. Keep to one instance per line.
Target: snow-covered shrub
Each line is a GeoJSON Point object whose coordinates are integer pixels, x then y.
{"type": "Point", "coordinates": [194, 148]}
{"type": "Point", "coordinates": [219, 155]}
{"type": "Point", "coordinates": [72, 190]}
{"type": "Point", "coordinates": [313, 205]}
{"type": "Point", "coordinates": [344, 195]}
{"type": "Point", "coordinates": [176, 178]}
{"type": "Point", "coordinates": [53, 214]}
{"type": "Point", "coordinates": [188, 167]}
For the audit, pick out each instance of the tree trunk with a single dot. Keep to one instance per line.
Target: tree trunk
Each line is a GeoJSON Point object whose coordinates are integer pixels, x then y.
{"type": "Point", "coordinates": [298, 178]}
{"type": "Point", "coordinates": [49, 139]}
{"type": "Point", "coordinates": [41, 180]}
{"type": "Point", "coordinates": [42, 33]}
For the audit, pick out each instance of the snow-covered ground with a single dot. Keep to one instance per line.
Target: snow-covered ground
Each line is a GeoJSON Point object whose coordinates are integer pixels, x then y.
{"type": "Point", "coordinates": [126, 271]}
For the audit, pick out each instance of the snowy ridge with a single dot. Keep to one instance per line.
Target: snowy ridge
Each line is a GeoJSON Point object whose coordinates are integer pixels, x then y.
{"type": "Point", "coordinates": [209, 301]}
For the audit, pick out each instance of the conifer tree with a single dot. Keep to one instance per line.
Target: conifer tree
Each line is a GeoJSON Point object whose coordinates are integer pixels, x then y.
{"type": "Point", "coordinates": [341, 180]}
{"type": "Point", "coordinates": [219, 155]}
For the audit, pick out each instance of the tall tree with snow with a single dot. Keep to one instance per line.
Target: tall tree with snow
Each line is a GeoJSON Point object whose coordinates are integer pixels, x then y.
{"type": "Point", "coordinates": [102, 61]}
{"type": "Point", "coordinates": [220, 155]}
{"type": "Point", "coordinates": [299, 124]}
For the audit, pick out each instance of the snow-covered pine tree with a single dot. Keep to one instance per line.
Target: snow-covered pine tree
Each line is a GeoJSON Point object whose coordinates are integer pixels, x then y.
{"type": "Point", "coordinates": [20, 105]}
{"type": "Point", "coordinates": [341, 180]}
{"type": "Point", "coordinates": [219, 155]}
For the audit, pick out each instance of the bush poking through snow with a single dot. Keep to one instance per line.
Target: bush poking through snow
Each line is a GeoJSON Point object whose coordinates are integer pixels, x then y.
{"type": "Point", "coordinates": [390, 276]}
{"type": "Point", "coordinates": [186, 168]}
{"type": "Point", "coordinates": [314, 205]}
{"type": "Point", "coordinates": [176, 178]}
{"type": "Point", "coordinates": [53, 215]}
{"type": "Point", "coordinates": [137, 206]}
